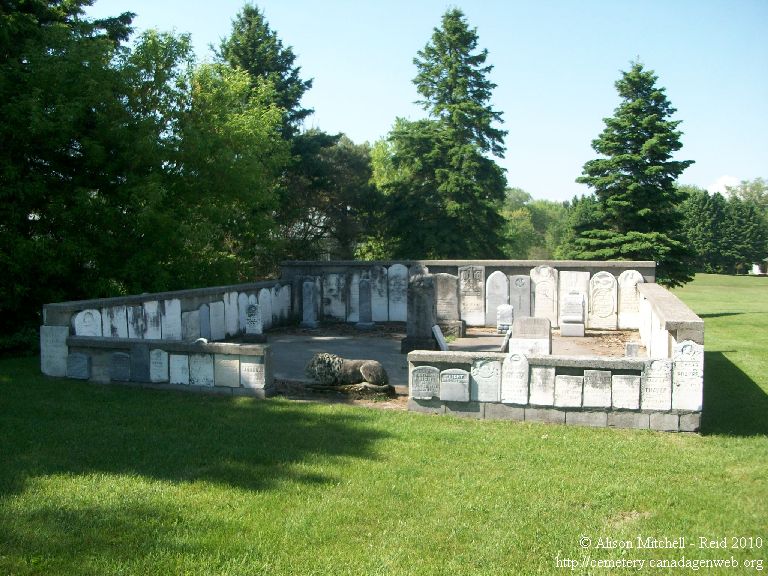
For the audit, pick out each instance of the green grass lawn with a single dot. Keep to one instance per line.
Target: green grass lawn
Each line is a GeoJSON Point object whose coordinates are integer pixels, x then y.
{"type": "Point", "coordinates": [115, 480]}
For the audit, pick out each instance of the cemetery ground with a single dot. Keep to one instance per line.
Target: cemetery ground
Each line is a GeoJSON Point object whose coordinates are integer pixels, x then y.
{"type": "Point", "coordinates": [115, 480]}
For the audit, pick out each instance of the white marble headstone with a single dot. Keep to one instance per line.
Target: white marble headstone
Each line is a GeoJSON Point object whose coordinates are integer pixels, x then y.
{"type": "Point", "coordinates": [603, 294]}
{"type": "Point", "coordinates": [454, 385]}
{"type": "Point", "coordinates": [154, 325]}
{"type": "Point", "coordinates": [544, 281]}
{"type": "Point", "coordinates": [201, 368]}
{"type": "Point", "coordinates": [158, 366]}
{"type": "Point", "coordinates": [179, 369]}
{"type": "Point", "coordinates": [231, 314]}
{"type": "Point", "coordinates": [571, 281]}
{"type": "Point", "coordinates": [485, 382]}
{"type": "Point", "coordinates": [379, 294]}
{"type": "Point", "coordinates": [496, 294]}
{"type": "Point", "coordinates": [114, 322]}
{"type": "Point", "coordinates": [252, 372]}
{"type": "Point", "coordinates": [629, 299]}
{"type": "Point", "coordinates": [625, 391]}
{"type": "Point", "coordinates": [514, 379]}
{"type": "Point", "coordinates": [242, 308]}
{"type": "Point", "coordinates": [353, 307]}
{"type": "Point", "coordinates": [397, 281]}
{"type": "Point", "coordinates": [472, 295]}
{"type": "Point", "coordinates": [171, 320]}
{"type": "Point", "coordinates": [597, 388]}
{"type": "Point", "coordinates": [218, 320]}
{"type": "Point", "coordinates": [542, 385]}
{"type": "Point", "coordinates": [568, 390]}
{"type": "Point", "coordinates": [688, 376]}
{"type": "Point", "coordinates": [137, 321]}
{"type": "Point", "coordinates": [656, 392]}
{"type": "Point", "coordinates": [87, 323]}
{"type": "Point", "coordinates": [425, 382]}
{"type": "Point", "coordinates": [54, 350]}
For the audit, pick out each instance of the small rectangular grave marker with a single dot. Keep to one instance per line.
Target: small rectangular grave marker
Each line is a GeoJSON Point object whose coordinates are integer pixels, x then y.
{"type": "Point", "coordinates": [54, 350]}
{"type": "Point", "coordinates": [597, 389]}
{"type": "Point", "coordinates": [158, 366]}
{"type": "Point", "coordinates": [218, 321]}
{"type": "Point", "coordinates": [78, 366]}
{"type": "Point", "coordinates": [120, 367]}
{"type": "Point", "coordinates": [454, 385]}
{"type": "Point", "coordinates": [179, 369]}
{"type": "Point", "coordinates": [514, 380]}
{"type": "Point", "coordinates": [140, 363]}
{"type": "Point", "coordinates": [568, 390]}
{"type": "Point", "coordinates": [625, 393]}
{"type": "Point", "coordinates": [226, 370]}
{"type": "Point", "coordinates": [687, 376]}
{"type": "Point", "coordinates": [201, 369]}
{"type": "Point", "coordinates": [425, 383]}
{"type": "Point", "coordinates": [252, 372]}
{"type": "Point", "coordinates": [485, 384]}
{"type": "Point", "coordinates": [542, 385]}
{"type": "Point", "coordinates": [171, 320]}
{"type": "Point", "coordinates": [656, 393]}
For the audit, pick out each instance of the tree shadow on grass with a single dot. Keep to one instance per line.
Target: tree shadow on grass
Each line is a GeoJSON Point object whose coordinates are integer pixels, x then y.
{"type": "Point", "coordinates": [720, 314]}
{"type": "Point", "coordinates": [60, 426]}
{"type": "Point", "coordinates": [734, 404]}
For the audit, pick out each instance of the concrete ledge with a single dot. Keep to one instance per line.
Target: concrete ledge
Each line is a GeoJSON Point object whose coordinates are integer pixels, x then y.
{"type": "Point", "coordinates": [673, 313]}
{"type": "Point", "coordinates": [85, 342]}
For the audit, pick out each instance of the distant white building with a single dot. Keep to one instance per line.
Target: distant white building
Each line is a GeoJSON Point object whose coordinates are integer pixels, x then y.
{"type": "Point", "coordinates": [760, 268]}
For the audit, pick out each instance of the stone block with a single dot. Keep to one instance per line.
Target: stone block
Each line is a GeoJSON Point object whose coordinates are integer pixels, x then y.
{"type": "Point", "coordinates": [542, 385]}
{"type": "Point", "coordinates": [152, 313]}
{"type": "Point", "coordinates": [265, 306]}
{"type": "Point", "coordinates": [597, 389]}
{"type": "Point", "coordinates": [252, 372]}
{"type": "Point", "coordinates": [78, 366]}
{"type": "Point", "coordinates": [137, 321]}
{"type": "Point", "coordinates": [218, 321]}
{"type": "Point", "coordinates": [439, 338]}
{"type": "Point", "coordinates": [593, 419]}
{"type": "Point", "coordinates": [158, 366]}
{"type": "Point", "coordinates": [231, 314]}
{"type": "Point", "coordinates": [114, 322]}
{"type": "Point", "coordinates": [665, 422]}
{"type": "Point", "coordinates": [690, 422]}
{"type": "Point", "coordinates": [485, 381]}
{"type": "Point", "coordinates": [465, 409]}
{"type": "Point", "coordinates": [426, 406]}
{"type": "Point", "coordinates": [87, 323]}
{"type": "Point", "coordinates": [568, 391]}
{"type": "Point", "coordinates": [504, 412]}
{"type": "Point", "coordinates": [171, 325]}
{"type": "Point", "coordinates": [638, 420]}
{"type": "Point", "coordinates": [190, 325]}
{"type": "Point", "coordinates": [54, 350]}
{"type": "Point", "coordinates": [226, 371]}
{"type": "Point", "coordinates": [570, 330]}
{"type": "Point", "coordinates": [454, 385]}
{"type": "Point", "coordinates": [548, 415]}
{"type": "Point", "coordinates": [397, 284]}
{"type": "Point", "coordinates": [205, 321]}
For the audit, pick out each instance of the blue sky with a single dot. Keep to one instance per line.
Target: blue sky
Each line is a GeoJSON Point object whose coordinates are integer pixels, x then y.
{"type": "Point", "coordinates": [555, 64]}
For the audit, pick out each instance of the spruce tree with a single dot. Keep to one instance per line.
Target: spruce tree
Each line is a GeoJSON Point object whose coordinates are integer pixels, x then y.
{"type": "Point", "coordinates": [634, 182]}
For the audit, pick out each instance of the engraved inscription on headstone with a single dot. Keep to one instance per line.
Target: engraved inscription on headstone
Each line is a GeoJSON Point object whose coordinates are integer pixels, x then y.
{"type": "Point", "coordinates": [629, 299]}
{"type": "Point", "coordinates": [603, 293]}
{"type": "Point", "coordinates": [571, 281]}
{"type": "Point", "coordinates": [425, 383]}
{"type": "Point", "coordinates": [656, 392]}
{"type": "Point", "coordinates": [514, 379]}
{"type": "Point", "coordinates": [531, 335]}
{"type": "Point", "coordinates": [114, 322]}
{"type": "Point", "coordinates": [53, 350]}
{"type": "Point", "coordinates": [496, 294]}
{"type": "Point", "coordinates": [542, 385]}
{"type": "Point", "coordinates": [152, 315]}
{"type": "Point", "coordinates": [120, 367]}
{"type": "Point", "coordinates": [379, 294]}
{"type": "Point", "coordinates": [158, 366]}
{"type": "Point", "coordinates": [78, 366]}
{"type": "Point", "coordinates": [625, 391]}
{"type": "Point", "coordinates": [687, 376]}
{"type": "Point", "coordinates": [597, 388]}
{"type": "Point", "coordinates": [87, 323]}
{"type": "Point", "coordinates": [252, 372]}
{"type": "Point", "coordinates": [544, 280]}
{"type": "Point", "coordinates": [472, 295]}
{"type": "Point", "coordinates": [398, 292]}
{"type": "Point", "coordinates": [226, 370]}
{"type": "Point", "coordinates": [454, 385]}
{"type": "Point", "coordinates": [520, 295]}
{"type": "Point", "coordinates": [137, 321]}
{"type": "Point", "coordinates": [218, 320]}
{"type": "Point", "coordinates": [171, 320]}
{"type": "Point", "coordinates": [253, 324]}
{"type": "Point", "coordinates": [447, 295]}
{"type": "Point", "coordinates": [572, 308]}
{"type": "Point", "coordinates": [179, 369]}
{"type": "Point", "coordinates": [485, 384]}
{"type": "Point", "coordinates": [568, 390]}
{"type": "Point", "coordinates": [201, 369]}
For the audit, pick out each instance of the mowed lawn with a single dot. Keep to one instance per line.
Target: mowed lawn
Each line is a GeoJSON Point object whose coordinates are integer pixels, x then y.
{"type": "Point", "coordinates": [114, 480]}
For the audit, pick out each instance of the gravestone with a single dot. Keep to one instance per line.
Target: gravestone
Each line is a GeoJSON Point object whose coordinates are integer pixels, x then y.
{"type": "Point", "coordinates": [308, 299]}
{"type": "Point", "coordinates": [114, 322]}
{"type": "Point", "coordinates": [505, 317]}
{"type": "Point", "coordinates": [218, 320]}
{"type": "Point", "coordinates": [226, 370]}
{"type": "Point", "coordinates": [629, 300]}
{"type": "Point", "coordinates": [253, 322]}
{"type": "Point", "coordinates": [353, 306]}
{"type": "Point", "coordinates": [78, 366]}
{"type": "Point", "coordinates": [276, 313]}
{"type": "Point", "coordinates": [531, 336]}
{"type": "Point", "coordinates": [496, 294]}
{"type": "Point", "coordinates": [687, 376]}
{"type": "Point", "coordinates": [572, 312]}
{"type": "Point", "coordinates": [179, 369]}
{"type": "Point", "coordinates": [87, 323]}
{"type": "Point", "coordinates": [158, 366]}
{"type": "Point", "coordinates": [171, 328]}
{"type": "Point", "coordinates": [656, 390]}
{"type": "Point", "coordinates": [422, 314]}
{"type": "Point", "coordinates": [454, 385]}
{"type": "Point", "coordinates": [505, 343]}
{"type": "Point", "coordinates": [137, 321]}
{"type": "Point", "coordinates": [425, 383]}
{"type": "Point", "coordinates": [485, 382]}
{"type": "Point", "coordinates": [379, 294]}
{"type": "Point", "coordinates": [442, 345]}
{"type": "Point", "coordinates": [120, 367]}
{"type": "Point", "coordinates": [397, 278]}
{"type": "Point", "coordinates": [365, 313]}
{"type": "Point", "coordinates": [625, 391]}
{"type": "Point", "coordinates": [190, 325]}
{"type": "Point", "coordinates": [544, 286]}
{"type": "Point", "coordinates": [447, 304]}
{"type": "Point", "coordinates": [242, 311]}
{"type": "Point", "coordinates": [334, 296]}
{"type": "Point", "coordinates": [568, 391]}
{"type": "Point", "coordinates": [252, 372]}
{"type": "Point", "coordinates": [201, 370]}
{"type": "Point", "coordinates": [265, 308]}
{"type": "Point", "coordinates": [140, 363]}
{"type": "Point", "coordinates": [231, 314]}
{"type": "Point", "coordinates": [603, 294]}
{"type": "Point", "coordinates": [542, 385]}
{"type": "Point", "coordinates": [520, 295]}
{"type": "Point", "coordinates": [154, 325]}
{"type": "Point", "coordinates": [472, 295]}
{"type": "Point", "coordinates": [284, 297]}
{"type": "Point", "coordinates": [205, 321]}
{"type": "Point", "coordinates": [514, 380]}
{"type": "Point", "coordinates": [571, 281]}
{"type": "Point", "coordinates": [597, 388]}
{"type": "Point", "coordinates": [54, 350]}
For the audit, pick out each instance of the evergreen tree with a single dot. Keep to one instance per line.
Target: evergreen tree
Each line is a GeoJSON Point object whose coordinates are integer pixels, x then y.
{"type": "Point", "coordinates": [704, 224]}
{"type": "Point", "coordinates": [634, 182]}
{"type": "Point", "coordinates": [444, 193]}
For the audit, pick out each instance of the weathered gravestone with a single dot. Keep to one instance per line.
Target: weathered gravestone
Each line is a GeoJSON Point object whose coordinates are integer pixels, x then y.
{"type": "Point", "coordinates": [365, 312]}
{"type": "Point", "coordinates": [542, 385]}
{"type": "Point", "coordinates": [379, 294]}
{"type": "Point", "coordinates": [170, 319]}
{"type": "Point", "coordinates": [226, 370]}
{"type": "Point", "coordinates": [218, 320]}
{"type": "Point", "coordinates": [87, 323]}
{"type": "Point", "coordinates": [158, 366]}
{"type": "Point", "coordinates": [485, 382]}
{"type": "Point", "coordinates": [397, 277]}
{"type": "Point", "coordinates": [572, 314]}
{"type": "Point", "coordinates": [54, 350]}
{"type": "Point", "coordinates": [447, 297]}
{"type": "Point", "coordinates": [422, 314]}
{"type": "Point", "coordinates": [284, 297]}
{"type": "Point", "coordinates": [190, 325]}
{"type": "Point", "coordinates": [205, 321]}
{"type": "Point", "coordinates": [629, 299]}
{"type": "Point", "coordinates": [514, 380]}
{"type": "Point", "coordinates": [120, 367]}
{"type": "Point", "coordinates": [687, 376]}
{"type": "Point", "coordinates": [625, 391]}
{"type": "Point", "coordinates": [353, 304]}
{"type": "Point", "coordinates": [568, 391]}
{"type": "Point", "coordinates": [520, 295]}
{"type": "Point", "coordinates": [308, 299]}
{"type": "Point", "coordinates": [231, 314]}
{"type": "Point", "coordinates": [454, 385]}
{"type": "Point", "coordinates": [544, 281]}
{"type": "Point", "coordinates": [438, 334]}
{"type": "Point", "coordinates": [505, 317]}
{"type": "Point", "coordinates": [496, 294]}
{"type": "Point", "coordinates": [152, 314]}
{"type": "Point", "coordinates": [656, 392]}
{"type": "Point", "coordinates": [571, 281]}
{"type": "Point", "coordinates": [254, 331]}
{"type": "Point", "coordinates": [531, 336]}
{"type": "Point", "coordinates": [472, 295]}
{"type": "Point", "coordinates": [252, 372]}
{"type": "Point", "coordinates": [137, 321]}
{"type": "Point", "coordinates": [597, 388]}
{"type": "Point", "coordinates": [242, 309]}
{"type": "Point", "coordinates": [140, 363]}
{"type": "Point", "coordinates": [201, 370]}
{"type": "Point", "coordinates": [265, 307]}
{"type": "Point", "coordinates": [334, 296]}
{"type": "Point", "coordinates": [425, 383]}
{"type": "Point", "coordinates": [114, 322]}
{"type": "Point", "coordinates": [179, 369]}
{"type": "Point", "coordinates": [78, 366]}
{"type": "Point", "coordinates": [603, 294]}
